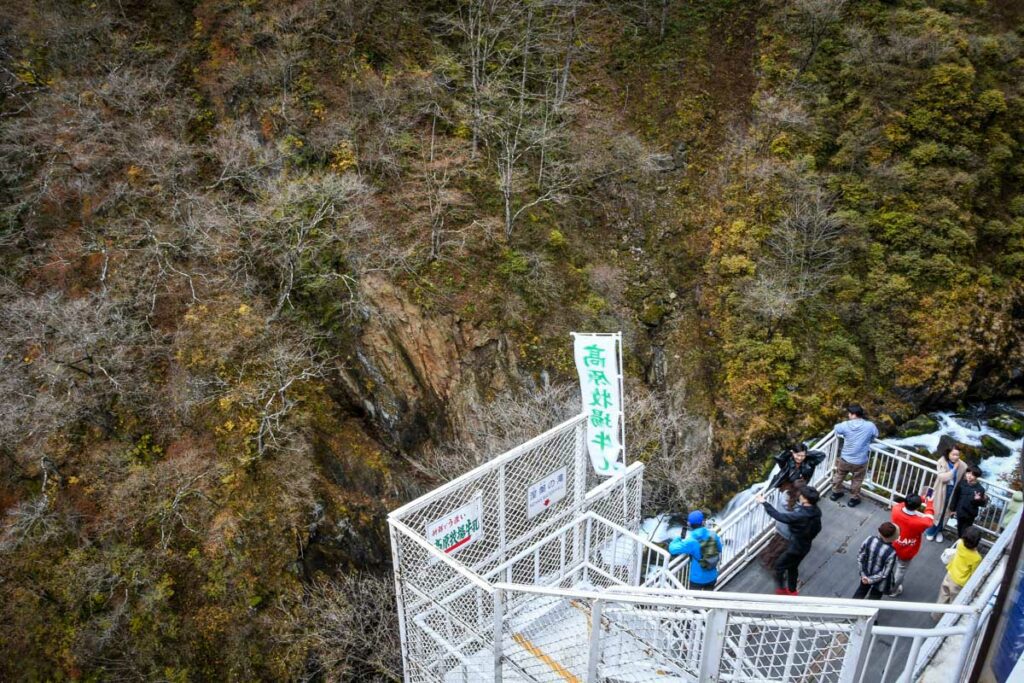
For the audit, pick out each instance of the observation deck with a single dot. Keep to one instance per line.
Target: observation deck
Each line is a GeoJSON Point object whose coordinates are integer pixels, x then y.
{"type": "Point", "coordinates": [531, 569]}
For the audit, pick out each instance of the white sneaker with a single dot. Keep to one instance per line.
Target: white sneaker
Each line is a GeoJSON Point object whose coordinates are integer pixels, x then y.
{"type": "Point", "coordinates": [939, 538]}
{"type": "Point", "coordinates": [896, 593]}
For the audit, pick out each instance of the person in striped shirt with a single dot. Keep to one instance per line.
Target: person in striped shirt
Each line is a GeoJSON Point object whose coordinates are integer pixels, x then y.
{"type": "Point", "coordinates": [877, 559]}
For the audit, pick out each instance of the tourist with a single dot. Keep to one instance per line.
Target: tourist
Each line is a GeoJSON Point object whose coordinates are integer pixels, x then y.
{"type": "Point", "coordinates": [796, 468]}
{"type": "Point", "coordinates": [705, 550]}
{"type": "Point", "coordinates": [912, 522]}
{"type": "Point", "coordinates": [966, 559]}
{"type": "Point", "coordinates": [877, 559]}
{"type": "Point", "coordinates": [857, 434]}
{"type": "Point", "coordinates": [949, 471]}
{"type": "Point", "coordinates": [804, 524]}
{"type": "Point", "coordinates": [968, 497]}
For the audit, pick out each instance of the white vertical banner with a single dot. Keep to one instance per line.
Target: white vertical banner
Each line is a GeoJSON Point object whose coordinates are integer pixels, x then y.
{"type": "Point", "coordinates": [599, 365]}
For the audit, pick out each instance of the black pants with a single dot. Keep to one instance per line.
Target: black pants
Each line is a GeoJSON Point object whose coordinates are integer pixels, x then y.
{"type": "Point", "coordinates": [962, 525]}
{"type": "Point", "coordinates": [703, 586]}
{"type": "Point", "coordinates": [869, 591]}
{"type": "Point", "coordinates": [787, 567]}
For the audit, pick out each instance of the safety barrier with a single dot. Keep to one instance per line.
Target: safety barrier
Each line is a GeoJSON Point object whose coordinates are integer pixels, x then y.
{"type": "Point", "coordinates": [530, 568]}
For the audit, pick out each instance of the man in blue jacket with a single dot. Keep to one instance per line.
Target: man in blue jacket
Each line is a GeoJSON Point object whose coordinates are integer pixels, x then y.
{"type": "Point", "coordinates": [705, 550]}
{"type": "Point", "coordinates": [857, 434]}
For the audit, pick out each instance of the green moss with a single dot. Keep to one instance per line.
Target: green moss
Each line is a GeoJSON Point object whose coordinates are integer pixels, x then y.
{"type": "Point", "coordinates": [994, 447]}
{"type": "Point", "coordinates": [922, 424]}
{"type": "Point", "coordinates": [1011, 426]}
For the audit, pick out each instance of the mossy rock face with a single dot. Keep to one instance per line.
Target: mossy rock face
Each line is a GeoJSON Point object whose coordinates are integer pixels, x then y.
{"type": "Point", "coordinates": [922, 424]}
{"type": "Point", "coordinates": [1007, 425]}
{"type": "Point", "coordinates": [653, 314]}
{"type": "Point", "coordinates": [993, 447]}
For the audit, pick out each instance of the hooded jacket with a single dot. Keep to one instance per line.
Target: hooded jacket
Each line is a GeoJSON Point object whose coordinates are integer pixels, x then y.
{"type": "Point", "coordinates": [691, 546]}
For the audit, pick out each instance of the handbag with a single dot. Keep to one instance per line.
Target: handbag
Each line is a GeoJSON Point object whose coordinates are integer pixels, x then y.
{"type": "Point", "coordinates": [949, 553]}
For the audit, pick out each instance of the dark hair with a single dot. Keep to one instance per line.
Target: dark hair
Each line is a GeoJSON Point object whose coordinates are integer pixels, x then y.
{"type": "Point", "coordinates": [810, 493]}
{"type": "Point", "coordinates": [887, 530]}
{"type": "Point", "coordinates": [971, 537]}
{"type": "Point", "coordinates": [975, 470]}
{"type": "Point", "coordinates": [798, 447]}
{"type": "Point", "coordinates": [855, 409]}
{"type": "Point", "coordinates": [912, 502]}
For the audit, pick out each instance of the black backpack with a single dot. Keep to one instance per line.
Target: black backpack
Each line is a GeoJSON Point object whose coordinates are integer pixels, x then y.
{"type": "Point", "coordinates": [709, 555]}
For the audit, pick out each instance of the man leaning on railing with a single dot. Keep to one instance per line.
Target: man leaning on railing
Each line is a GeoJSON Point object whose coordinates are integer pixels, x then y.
{"type": "Point", "coordinates": [857, 434]}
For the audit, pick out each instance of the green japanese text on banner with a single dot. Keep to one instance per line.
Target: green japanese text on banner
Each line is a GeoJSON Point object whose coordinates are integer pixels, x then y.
{"type": "Point", "coordinates": [598, 364]}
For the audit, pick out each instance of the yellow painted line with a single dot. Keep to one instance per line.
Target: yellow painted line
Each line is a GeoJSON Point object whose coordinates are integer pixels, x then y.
{"type": "Point", "coordinates": [525, 643]}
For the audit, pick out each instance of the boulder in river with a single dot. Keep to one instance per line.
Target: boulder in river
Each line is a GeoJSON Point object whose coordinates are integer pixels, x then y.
{"type": "Point", "coordinates": [1007, 425]}
{"type": "Point", "coordinates": [922, 424]}
{"type": "Point", "coordinates": [993, 447]}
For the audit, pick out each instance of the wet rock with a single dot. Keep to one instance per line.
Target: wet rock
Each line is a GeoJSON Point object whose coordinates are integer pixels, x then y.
{"type": "Point", "coordinates": [922, 424]}
{"type": "Point", "coordinates": [1007, 425]}
{"type": "Point", "coordinates": [993, 447]}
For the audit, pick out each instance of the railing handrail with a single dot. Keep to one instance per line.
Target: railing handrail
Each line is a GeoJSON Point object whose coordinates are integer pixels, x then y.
{"type": "Point", "coordinates": [692, 599]}
{"type": "Point", "coordinates": [896, 606]}
{"type": "Point", "coordinates": [439, 556]}
{"type": "Point", "coordinates": [913, 457]}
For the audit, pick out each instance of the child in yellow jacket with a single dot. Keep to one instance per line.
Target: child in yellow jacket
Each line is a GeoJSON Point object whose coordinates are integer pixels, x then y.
{"type": "Point", "coordinates": [966, 559]}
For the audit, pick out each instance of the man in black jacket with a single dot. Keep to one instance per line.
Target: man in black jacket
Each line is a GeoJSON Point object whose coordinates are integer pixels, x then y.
{"type": "Point", "coordinates": [804, 524]}
{"type": "Point", "coordinates": [796, 469]}
{"type": "Point", "coordinates": [968, 497]}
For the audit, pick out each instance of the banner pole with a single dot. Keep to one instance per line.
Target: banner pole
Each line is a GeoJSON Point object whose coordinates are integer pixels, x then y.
{"type": "Point", "coordinates": [622, 401]}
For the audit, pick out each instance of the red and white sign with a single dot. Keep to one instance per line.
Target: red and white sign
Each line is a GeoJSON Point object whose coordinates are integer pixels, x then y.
{"type": "Point", "coordinates": [461, 528]}
{"type": "Point", "coordinates": [545, 493]}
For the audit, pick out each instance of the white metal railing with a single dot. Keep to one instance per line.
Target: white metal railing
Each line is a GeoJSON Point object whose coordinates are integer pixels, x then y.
{"type": "Point", "coordinates": [895, 471]}
{"type": "Point", "coordinates": [748, 528]}
{"type": "Point", "coordinates": [575, 591]}
{"type": "Point", "coordinates": [642, 635]}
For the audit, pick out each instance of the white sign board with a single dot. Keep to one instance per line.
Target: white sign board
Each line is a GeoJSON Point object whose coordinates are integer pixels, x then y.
{"type": "Point", "coordinates": [545, 493]}
{"type": "Point", "coordinates": [597, 363]}
{"type": "Point", "coordinates": [458, 529]}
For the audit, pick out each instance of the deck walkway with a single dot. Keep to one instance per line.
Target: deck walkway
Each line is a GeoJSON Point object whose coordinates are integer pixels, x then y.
{"type": "Point", "coordinates": [830, 570]}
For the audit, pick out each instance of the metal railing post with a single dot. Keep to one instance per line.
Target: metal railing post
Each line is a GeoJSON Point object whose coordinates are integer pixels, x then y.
{"type": "Point", "coordinates": [594, 646]}
{"type": "Point", "coordinates": [915, 650]}
{"type": "Point", "coordinates": [499, 609]}
{"type": "Point", "coordinates": [895, 481]}
{"type": "Point", "coordinates": [966, 646]}
{"type": "Point", "coordinates": [402, 637]}
{"type": "Point", "coordinates": [714, 644]}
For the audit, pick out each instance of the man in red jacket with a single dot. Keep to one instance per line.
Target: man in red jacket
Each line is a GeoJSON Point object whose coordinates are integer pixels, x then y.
{"type": "Point", "coordinates": [912, 523]}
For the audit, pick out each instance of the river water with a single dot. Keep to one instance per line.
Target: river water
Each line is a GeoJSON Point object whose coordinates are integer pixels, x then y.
{"type": "Point", "coordinates": [964, 429]}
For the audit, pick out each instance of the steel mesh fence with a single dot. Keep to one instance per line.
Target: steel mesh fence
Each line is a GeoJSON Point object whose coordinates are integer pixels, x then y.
{"type": "Point", "coordinates": [767, 648]}
{"type": "Point", "coordinates": [650, 643]}
{"type": "Point", "coordinates": [502, 487]}
{"type": "Point", "coordinates": [522, 592]}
